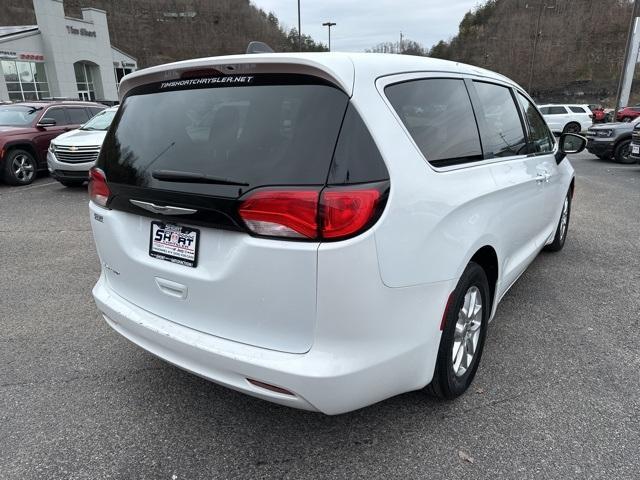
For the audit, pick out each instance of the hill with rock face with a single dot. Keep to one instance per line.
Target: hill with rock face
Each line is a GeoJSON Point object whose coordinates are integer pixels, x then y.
{"type": "Point", "coordinates": [579, 51]}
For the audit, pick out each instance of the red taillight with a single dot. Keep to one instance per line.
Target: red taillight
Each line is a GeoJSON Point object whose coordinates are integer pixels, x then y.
{"type": "Point", "coordinates": [282, 213]}
{"type": "Point", "coordinates": [99, 191]}
{"type": "Point", "coordinates": [346, 211]}
{"type": "Point", "coordinates": [333, 214]}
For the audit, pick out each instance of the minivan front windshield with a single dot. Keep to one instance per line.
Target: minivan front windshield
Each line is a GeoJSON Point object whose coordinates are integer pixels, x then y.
{"type": "Point", "coordinates": [18, 115]}
{"type": "Point", "coordinates": [101, 121]}
{"type": "Point", "coordinates": [273, 132]}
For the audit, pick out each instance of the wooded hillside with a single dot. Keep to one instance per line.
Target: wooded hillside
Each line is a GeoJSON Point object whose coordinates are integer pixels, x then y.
{"type": "Point", "coordinates": [160, 31]}
{"type": "Point", "coordinates": [579, 52]}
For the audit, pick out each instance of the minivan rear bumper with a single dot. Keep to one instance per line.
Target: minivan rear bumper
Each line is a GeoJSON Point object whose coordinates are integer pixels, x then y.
{"type": "Point", "coordinates": [331, 381]}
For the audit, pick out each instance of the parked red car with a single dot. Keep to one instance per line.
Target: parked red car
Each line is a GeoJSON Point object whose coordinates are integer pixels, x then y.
{"type": "Point", "coordinates": [627, 114]}
{"type": "Point", "coordinates": [26, 130]}
{"type": "Point", "coordinates": [599, 115]}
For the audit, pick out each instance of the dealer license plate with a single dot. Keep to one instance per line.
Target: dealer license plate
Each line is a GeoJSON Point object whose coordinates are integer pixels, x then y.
{"type": "Point", "coordinates": [635, 148]}
{"type": "Point", "coordinates": [174, 243]}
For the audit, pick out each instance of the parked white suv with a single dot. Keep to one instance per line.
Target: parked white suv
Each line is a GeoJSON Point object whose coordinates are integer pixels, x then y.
{"type": "Point", "coordinates": [567, 118]}
{"type": "Point", "coordinates": [322, 231]}
{"type": "Point", "coordinates": [72, 154]}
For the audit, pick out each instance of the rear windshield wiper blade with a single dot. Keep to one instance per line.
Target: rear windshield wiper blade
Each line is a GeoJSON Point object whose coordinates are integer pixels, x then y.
{"type": "Point", "coordinates": [190, 177]}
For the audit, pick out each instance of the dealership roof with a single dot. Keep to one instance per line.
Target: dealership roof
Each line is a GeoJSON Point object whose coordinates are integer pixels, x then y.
{"type": "Point", "coordinates": [9, 31]}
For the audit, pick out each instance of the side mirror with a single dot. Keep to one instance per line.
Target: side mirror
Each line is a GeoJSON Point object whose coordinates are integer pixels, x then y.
{"type": "Point", "coordinates": [570, 143]}
{"type": "Point", "coordinates": [46, 122]}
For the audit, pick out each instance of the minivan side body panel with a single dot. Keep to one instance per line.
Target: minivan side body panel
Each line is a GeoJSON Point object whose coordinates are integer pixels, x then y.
{"type": "Point", "coordinates": [457, 210]}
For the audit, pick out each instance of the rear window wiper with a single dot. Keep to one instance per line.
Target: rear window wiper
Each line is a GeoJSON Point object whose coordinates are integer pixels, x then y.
{"type": "Point", "coordinates": [190, 177]}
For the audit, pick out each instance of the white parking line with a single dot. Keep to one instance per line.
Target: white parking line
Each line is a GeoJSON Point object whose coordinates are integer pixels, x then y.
{"type": "Point", "coordinates": [10, 190]}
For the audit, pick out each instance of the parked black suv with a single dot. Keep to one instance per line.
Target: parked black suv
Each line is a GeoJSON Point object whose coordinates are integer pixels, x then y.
{"type": "Point", "coordinates": [612, 141]}
{"type": "Point", "coordinates": [635, 143]}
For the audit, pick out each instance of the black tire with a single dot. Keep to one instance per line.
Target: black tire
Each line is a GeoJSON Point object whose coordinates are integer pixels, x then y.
{"type": "Point", "coordinates": [622, 153]}
{"type": "Point", "coordinates": [561, 234]}
{"type": "Point", "coordinates": [20, 168]}
{"type": "Point", "coordinates": [71, 183]}
{"type": "Point", "coordinates": [572, 127]}
{"type": "Point", "coordinates": [446, 384]}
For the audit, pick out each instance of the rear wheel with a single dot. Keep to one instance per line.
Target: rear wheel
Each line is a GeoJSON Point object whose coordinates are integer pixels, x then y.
{"type": "Point", "coordinates": [463, 336]}
{"type": "Point", "coordinates": [563, 226]}
{"type": "Point", "coordinates": [572, 127]}
{"type": "Point", "coordinates": [622, 152]}
{"type": "Point", "coordinates": [19, 167]}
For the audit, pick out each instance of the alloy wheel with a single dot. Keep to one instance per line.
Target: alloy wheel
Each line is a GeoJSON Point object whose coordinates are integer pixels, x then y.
{"type": "Point", "coordinates": [23, 168]}
{"type": "Point", "coordinates": [564, 219]}
{"type": "Point", "coordinates": [467, 331]}
{"type": "Point", "coordinates": [626, 152]}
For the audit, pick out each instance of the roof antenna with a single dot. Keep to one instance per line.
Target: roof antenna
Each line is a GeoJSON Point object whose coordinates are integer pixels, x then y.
{"type": "Point", "coordinates": [259, 47]}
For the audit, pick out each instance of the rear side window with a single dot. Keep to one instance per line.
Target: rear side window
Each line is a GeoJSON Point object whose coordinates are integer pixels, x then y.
{"type": "Point", "coordinates": [540, 138]}
{"type": "Point", "coordinates": [271, 130]}
{"type": "Point", "coordinates": [555, 111]}
{"type": "Point", "coordinates": [438, 114]}
{"type": "Point", "coordinates": [77, 116]}
{"type": "Point", "coordinates": [503, 135]}
{"type": "Point", "coordinates": [577, 109]}
{"type": "Point", "coordinates": [356, 159]}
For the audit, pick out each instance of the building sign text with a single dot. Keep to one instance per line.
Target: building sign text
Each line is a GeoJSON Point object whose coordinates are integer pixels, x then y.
{"type": "Point", "coordinates": [80, 31]}
{"type": "Point", "coordinates": [31, 56]}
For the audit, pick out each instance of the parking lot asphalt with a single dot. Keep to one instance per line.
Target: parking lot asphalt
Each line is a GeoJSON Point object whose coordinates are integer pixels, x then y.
{"type": "Point", "coordinates": [557, 394]}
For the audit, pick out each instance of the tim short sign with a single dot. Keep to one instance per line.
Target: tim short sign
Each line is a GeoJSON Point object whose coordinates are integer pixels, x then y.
{"type": "Point", "coordinates": [81, 31]}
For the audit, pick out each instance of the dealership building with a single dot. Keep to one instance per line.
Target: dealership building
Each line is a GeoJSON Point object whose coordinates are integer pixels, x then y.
{"type": "Point", "coordinates": [61, 57]}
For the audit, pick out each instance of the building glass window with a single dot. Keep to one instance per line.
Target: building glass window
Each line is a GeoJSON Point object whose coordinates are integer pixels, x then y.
{"type": "Point", "coordinates": [121, 72]}
{"type": "Point", "coordinates": [84, 79]}
{"type": "Point", "coordinates": [25, 80]}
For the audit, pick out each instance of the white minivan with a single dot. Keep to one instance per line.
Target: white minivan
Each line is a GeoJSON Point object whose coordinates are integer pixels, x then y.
{"type": "Point", "coordinates": [322, 230]}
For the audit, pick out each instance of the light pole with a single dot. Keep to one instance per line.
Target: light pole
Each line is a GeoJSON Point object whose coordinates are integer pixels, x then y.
{"type": "Point", "coordinates": [299, 29]}
{"type": "Point", "coordinates": [628, 62]}
{"type": "Point", "coordinates": [329, 25]}
{"type": "Point", "coordinates": [536, 38]}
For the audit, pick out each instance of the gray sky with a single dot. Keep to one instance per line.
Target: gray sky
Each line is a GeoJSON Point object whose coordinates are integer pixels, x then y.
{"type": "Point", "coordinates": [363, 24]}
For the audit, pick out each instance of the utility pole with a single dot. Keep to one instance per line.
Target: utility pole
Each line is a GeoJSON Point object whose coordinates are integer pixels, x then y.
{"type": "Point", "coordinates": [329, 25]}
{"type": "Point", "coordinates": [536, 39]}
{"type": "Point", "coordinates": [400, 48]}
{"type": "Point", "coordinates": [629, 61]}
{"type": "Point", "coordinates": [299, 29]}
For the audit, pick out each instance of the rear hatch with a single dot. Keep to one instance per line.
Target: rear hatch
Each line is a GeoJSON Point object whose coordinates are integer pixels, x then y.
{"type": "Point", "coordinates": [179, 159]}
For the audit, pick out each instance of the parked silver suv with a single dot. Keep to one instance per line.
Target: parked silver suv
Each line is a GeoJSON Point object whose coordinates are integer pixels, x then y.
{"type": "Point", "coordinates": [72, 154]}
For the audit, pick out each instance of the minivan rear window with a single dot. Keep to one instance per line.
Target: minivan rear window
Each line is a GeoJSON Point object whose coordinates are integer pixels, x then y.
{"type": "Point", "coordinates": [268, 130]}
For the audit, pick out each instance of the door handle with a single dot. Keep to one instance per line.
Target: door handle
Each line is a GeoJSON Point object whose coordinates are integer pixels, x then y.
{"type": "Point", "coordinates": [543, 177]}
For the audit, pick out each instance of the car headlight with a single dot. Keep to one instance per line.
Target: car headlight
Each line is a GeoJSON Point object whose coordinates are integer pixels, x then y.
{"type": "Point", "coordinates": [52, 147]}
{"type": "Point", "coordinates": [604, 133]}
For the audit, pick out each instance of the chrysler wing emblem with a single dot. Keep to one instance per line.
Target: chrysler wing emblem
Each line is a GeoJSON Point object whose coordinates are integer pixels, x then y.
{"type": "Point", "coordinates": [163, 209]}
{"type": "Point", "coordinates": [73, 148]}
